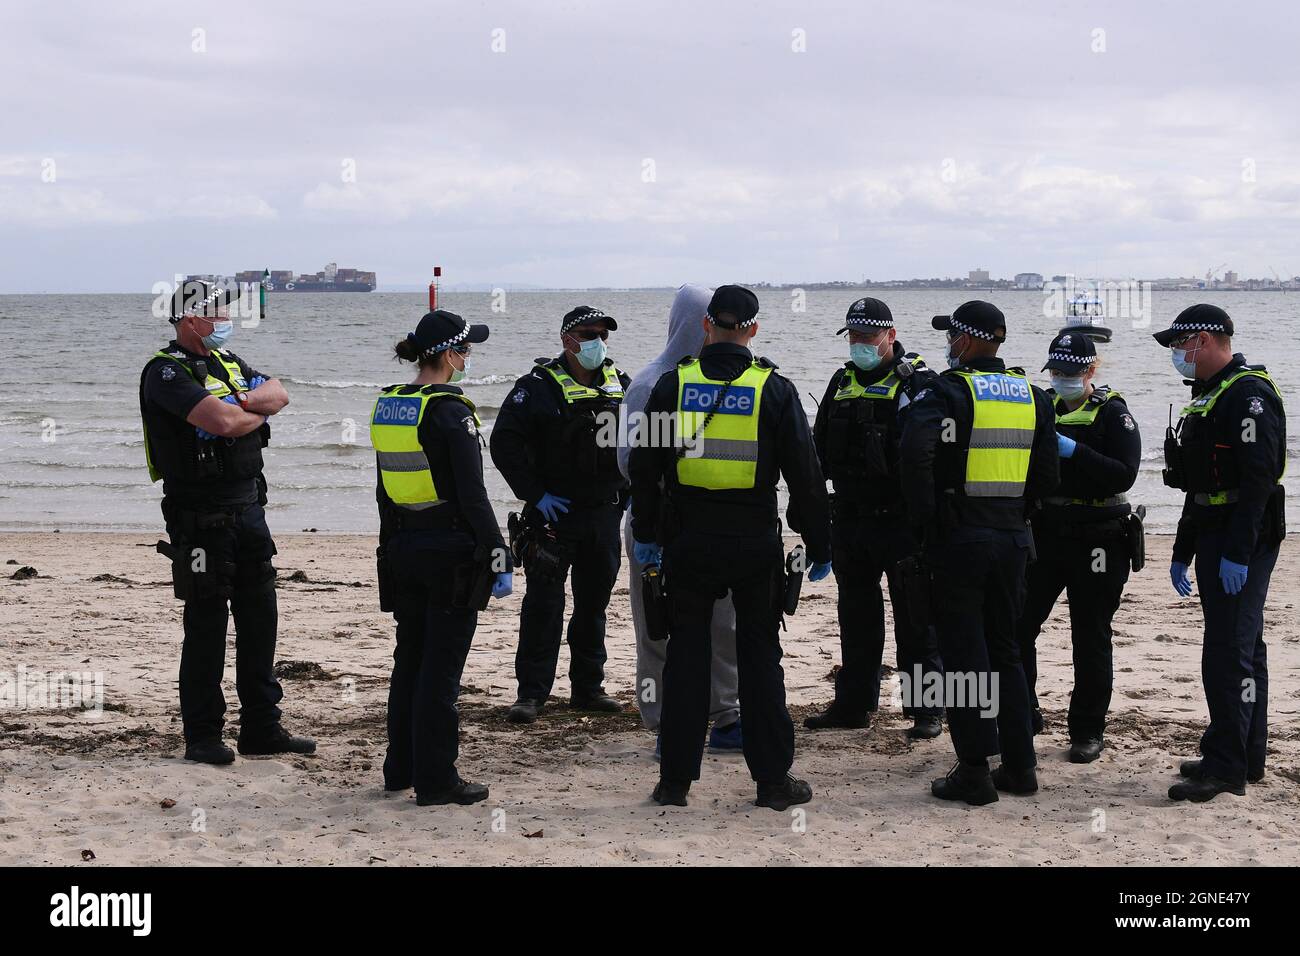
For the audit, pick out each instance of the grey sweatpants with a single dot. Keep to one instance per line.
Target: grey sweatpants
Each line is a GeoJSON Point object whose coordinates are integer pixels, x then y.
{"type": "Point", "coordinates": [724, 703]}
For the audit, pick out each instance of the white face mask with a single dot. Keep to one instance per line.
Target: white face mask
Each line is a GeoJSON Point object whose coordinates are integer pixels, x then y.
{"type": "Point", "coordinates": [1068, 387]}
{"type": "Point", "coordinates": [1185, 365]}
{"type": "Point", "coordinates": [591, 355]}
{"type": "Point", "coordinates": [954, 361]}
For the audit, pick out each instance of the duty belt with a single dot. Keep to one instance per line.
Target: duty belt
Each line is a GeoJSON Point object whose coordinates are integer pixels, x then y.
{"type": "Point", "coordinates": [1110, 502]}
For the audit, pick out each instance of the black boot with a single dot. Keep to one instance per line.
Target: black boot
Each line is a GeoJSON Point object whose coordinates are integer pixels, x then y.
{"type": "Point", "coordinates": [524, 711]}
{"type": "Point", "coordinates": [1036, 721]}
{"type": "Point", "coordinates": [1085, 751]}
{"type": "Point", "coordinates": [277, 740]}
{"type": "Point", "coordinates": [834, 718]}
{"type": "Point", "coordinates": [783, 795]}
{"type": "Point", "coordinates": [1192, 769]}
{"type": "Point", "coordinates": [671, 793]}
{"type": "Point", "coordinates": [599, 703]}
{"type": "Point", "coordinates": [1202, 788]}
{"type": "Point", "coordinates": [462, 792]}
{"type": "Point", "coordinates": [209, 751]}
{"type": "Point", "coordinates": [969, 782]}
{"type": "Point", "coordinates": [925, 728]}
{"type": "Point", "coordinates": [1019, 782]}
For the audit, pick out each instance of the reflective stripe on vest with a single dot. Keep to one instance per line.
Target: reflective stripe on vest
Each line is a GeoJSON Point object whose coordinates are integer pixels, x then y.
{"type": "Point", "coordinates": [725, 454]}
{"type": "Point", "coordinates": [575, 391]}
{"type": "Point", "coordinates": [1002, 433]}
{"type": "Point", "coordinates": [886, 388]}
{"type": "Point", "coordinates": [395, 435]}
{"type": "Point", "coordinates": [215, 386]}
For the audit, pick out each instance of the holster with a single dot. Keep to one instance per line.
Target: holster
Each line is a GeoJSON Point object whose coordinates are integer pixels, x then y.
{"type": "Point", "coordinates": [794, 565]}
{"type": "Point", "coordinates": [387, 595]}
{"type": "Point", "coordinates": [1137, 538]}
{"type": "Point", "coordinates": [188, 547]}
{"type": "Point", "coordinates": [915, 577]}
{"type": "Point", "coordinates": [654, 598]}
{"type": "Point", "coordinates": [472, 584]}
{"type": "Point", "coordinates": [1275, 516]}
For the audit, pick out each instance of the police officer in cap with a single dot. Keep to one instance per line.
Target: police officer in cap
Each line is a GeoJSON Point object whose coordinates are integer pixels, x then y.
{"type": "Point", "coordinates": [440, 550]}
{"type": "Point", "coordinates": [205, 414]}
{"type": "Point", "coordinates": [979, 445]}
{"type": "Point", "coordinates": [737, 427]}
{"type": "Point", "coordinates": [856, 433]}
{"type": "Point", "coordinates": [555, 442]}
{"type": "Point", "coordinates": [1228, 453]}
{"type": "Point", "coordinates": [1082, 535]}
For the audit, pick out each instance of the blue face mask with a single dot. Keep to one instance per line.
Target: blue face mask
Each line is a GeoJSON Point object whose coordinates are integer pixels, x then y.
{"type": "Point", "coordinates": [1185, 366]}
{"type": "Point", "coordinates": [954, 361]}
{"type": "Point", "coordinates": [458, 374]}
{"type": "Point", "coordinates": [865, 357]}
{"type": "Point", "coordinates": [591, 355]}
{"type": "Point", "coordinates": [1068, 387]}
{"type": "Point", "coordinates": [219, 335]}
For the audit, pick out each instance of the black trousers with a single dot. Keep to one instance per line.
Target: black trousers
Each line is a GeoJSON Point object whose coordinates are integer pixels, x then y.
{"type": "Point", "coordinates": [699, 569]}
{"type": "Point", "coordinates": [979, 587]}
{"type": "Point", "coordinates": [1234, 662]}
{"type": "Point", "coordinates": [433, 640]}
{"type": "Point", "coordinates": [237, 559]}
{"type": "Point", "coordinates": [591, 538]}
{"type": "Point", "coordinates": [1092, 570]}
{"type": "Point", "coordinates": [866, 546]}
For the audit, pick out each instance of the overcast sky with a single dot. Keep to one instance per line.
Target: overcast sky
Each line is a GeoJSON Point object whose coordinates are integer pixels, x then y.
{"type": "Point", "coordinates": [648, 143]}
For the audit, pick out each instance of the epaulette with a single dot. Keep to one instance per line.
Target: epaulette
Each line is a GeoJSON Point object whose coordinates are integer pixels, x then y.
{"type": "Point", "coordinates": [764, 362]}
{"type": "Point", "coordinates": [685, 360]}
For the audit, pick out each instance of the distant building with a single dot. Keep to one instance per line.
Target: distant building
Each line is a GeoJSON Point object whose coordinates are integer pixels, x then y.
{"type": "Point", "coordinates": [978, 276]}
{"type": "Point", "coordinates": [1230, 278]}
{"type": "Point", "coordinates": [1029, 280]}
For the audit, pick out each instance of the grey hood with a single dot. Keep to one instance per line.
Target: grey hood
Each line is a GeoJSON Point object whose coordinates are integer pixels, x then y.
{"type": "Point", "coordinates": [685, 337]}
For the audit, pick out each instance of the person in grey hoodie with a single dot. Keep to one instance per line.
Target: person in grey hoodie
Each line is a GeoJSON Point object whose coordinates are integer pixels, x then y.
{"type": "Point", "coordinates": [685, 337]}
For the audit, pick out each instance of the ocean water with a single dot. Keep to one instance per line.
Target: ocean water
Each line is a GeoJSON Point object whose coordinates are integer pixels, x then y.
{"type": "Point", "coordinates": [71, 449]}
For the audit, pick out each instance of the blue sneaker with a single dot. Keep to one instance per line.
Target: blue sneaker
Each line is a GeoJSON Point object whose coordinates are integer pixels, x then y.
{"type": "Point", "coordinates": [727, 739]}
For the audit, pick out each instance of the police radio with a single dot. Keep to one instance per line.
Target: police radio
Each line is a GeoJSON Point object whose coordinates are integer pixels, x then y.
{"type": "Point", "coordinates": [1173, 473]}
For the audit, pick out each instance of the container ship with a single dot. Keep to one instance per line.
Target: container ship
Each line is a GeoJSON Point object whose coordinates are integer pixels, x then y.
{"type": "Point", "coordinates": [329, 279]}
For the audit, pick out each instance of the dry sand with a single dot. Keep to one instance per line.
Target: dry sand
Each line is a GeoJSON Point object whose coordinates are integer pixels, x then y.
{"type": "Point", "coordinates": [574, 789]}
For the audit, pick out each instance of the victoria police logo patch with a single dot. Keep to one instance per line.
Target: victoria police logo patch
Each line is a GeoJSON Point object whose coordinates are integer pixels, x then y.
{"type": "Point", "coordinates": [468, 422]}
{"type": "Point", "coordinates": [519, 396]}
{"type": "Point", "coordinates": [1128, 422]}
{"type": "Point", "coordinates": [1256, 406]}
{"type": "Point", "coordinates": [168, 372]}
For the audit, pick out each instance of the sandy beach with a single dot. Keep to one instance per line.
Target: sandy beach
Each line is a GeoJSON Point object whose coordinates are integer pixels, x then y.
{"type": "Point", "coordinates": [574, 789]}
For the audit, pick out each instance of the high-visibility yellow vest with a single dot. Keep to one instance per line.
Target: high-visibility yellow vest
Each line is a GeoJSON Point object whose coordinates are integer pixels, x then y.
{"type": "Point", "coordinates": [724, 453]}
{"type": "Point", "coordinates": [1085, 415]}
{"type": "Point", "coordinates": [1202, 442]}
{"type": "Point", "coordinates": [886, 388]}
{"type": "Point", "coordinates": [215, 386]}
{"type": "Point", "coordinates": [1002, 433]}
{"type": "Point", "coordinates": [575, 391]}
{"type": "Point", "coordinates": [395, 434]}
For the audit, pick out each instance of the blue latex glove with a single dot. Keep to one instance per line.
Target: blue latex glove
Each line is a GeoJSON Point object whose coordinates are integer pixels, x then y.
{"type": "Point", "coordinates": [204, 436]}
{"type": "Point", "coordinates": [1233, 575]}
{"type": "Point", "coordinates": [1178, 574]}
{"type": "Point", "coordinates": [503, 585]}
{"type": "Point", "coordinates": [1064, 445]}
{"type": "Point", "coordinates": [819, 570]}
{"type": "Point", "coordinates": [552, 506]}
{"type": "Point", "coordinates": [257, 382]}
{"type": "Point", "coordinates": [647, 554]}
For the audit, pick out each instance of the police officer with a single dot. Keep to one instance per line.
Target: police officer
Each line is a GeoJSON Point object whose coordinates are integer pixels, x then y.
{"type": "Point", "coordinates": [205, 414]}
{"type": "Point", "coordinates": [440, 550]}
{"type": "Point", "coordinates": [1083, 534]}
{"type": "Point", "coordinates": [978, 443]}
{"type": "Point", "coordinates": [555, 442]}
{"type": "Point", "coordinates": [856, 433]}
{"type": "Point", "coordinates": [737, 427]}
{"type": "Point", "coordinates": [1228, 453]}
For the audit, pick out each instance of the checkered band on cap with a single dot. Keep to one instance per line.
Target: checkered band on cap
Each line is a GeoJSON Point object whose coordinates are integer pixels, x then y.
{"type": "Point", "coordinates": [454, 340]}
{"type": "Point", "coordinates": [1070, 357]}
{"type": "Point", "coordinates": [1215, 326]}
{"type": "Point", "coordinates": [739, 325]}
{"type": "Point", "coordinates": [583, 319]}
{"type": "Point", "coordinates": [879, 323]}
{"type": "Point", "coordinates": [198, 308]}
{"type": "Point", "coordinates": [959, 326]}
